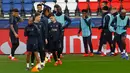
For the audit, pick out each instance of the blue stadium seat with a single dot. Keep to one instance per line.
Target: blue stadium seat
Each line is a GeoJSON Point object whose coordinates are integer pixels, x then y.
{"type": "Point", "coordinates": [28, 8]}
{"type": "Point", "coordinates": [38, 0]}
{"type": "Point", "coordinates": [6, 8]}
{"type": "Point", "coordinates": [50, 0]}
{"type": "Point", "coordinates": [28, 1]}
{"type": "Point", "coordinates": [6, 1]}
{"type": "Point", "coordinates": [18, 6]}
{"type": "Point", "coordinates": [17, 1]}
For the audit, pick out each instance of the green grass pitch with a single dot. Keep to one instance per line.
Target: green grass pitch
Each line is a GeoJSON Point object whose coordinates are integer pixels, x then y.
{"type": "Point", "coordinates": [73, 63]}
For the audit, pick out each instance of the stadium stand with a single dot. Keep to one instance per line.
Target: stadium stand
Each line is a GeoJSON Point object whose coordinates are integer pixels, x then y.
{"type": "Point", "coordinates": [63, 5]}
{"type": "Point", "coordinates": [51, 4]}
{"type": "Point", "coordinates": [126, 5]}
{"type": "Point", "coordinates": [71, 6]}
{"type": "Point", "coordinates": [116, 3]}
{"type": "Point", "coordinates": [94, 6]}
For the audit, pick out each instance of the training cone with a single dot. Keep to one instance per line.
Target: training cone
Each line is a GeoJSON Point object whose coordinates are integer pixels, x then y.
{"type": "Point", "coordinates": [35, 69]}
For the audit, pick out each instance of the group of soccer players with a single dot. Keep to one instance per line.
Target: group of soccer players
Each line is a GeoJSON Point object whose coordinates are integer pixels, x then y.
{"type": "Point", "coordinates": [45, 33]}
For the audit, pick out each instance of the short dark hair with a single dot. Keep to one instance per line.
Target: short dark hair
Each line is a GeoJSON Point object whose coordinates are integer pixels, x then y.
{"type": "Point", "coordinates": [105, 2]}
{"type": "Point", "coordinates": [15, 10]}
{"type": "Point", "coordinates": [84, 10]}
{"type": "Point", "coordinates": [51, 14]}
{"type": "Point", "coordinates": [105, 8]}
{"type": "Point", "coordinates": [39, 5]}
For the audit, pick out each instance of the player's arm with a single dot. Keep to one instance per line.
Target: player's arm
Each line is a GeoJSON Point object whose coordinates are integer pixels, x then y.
{"type": "Point", "coordinates": [20, 19]}
{"type": "Point", "coordinates": [68, 20]}
{"type": "Point", "coordinates": [25, 32]}
{"type": "Point", "coordinates": [114, 23]}
{"type": "Point", "coordinates": [127, 24]}
{"type": "Point", "coordinates": [45, 6]}
{"type": "Point", "coordinates": [12, 28]}
{"type": "Point", "coordinates": [79, 28]}
{"type": "Point", "coordinates": [107, 19]}
{"type": "Point", "coordinates": [60, 29]}
{"type": "Point", "coordinates": [46, 31]}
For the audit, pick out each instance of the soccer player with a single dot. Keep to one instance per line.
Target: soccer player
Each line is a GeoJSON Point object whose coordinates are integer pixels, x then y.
{"type": "Point", "coordinates": [55, 33]}
{"type": "Point", "coordinates": [55, 8]}
{"type": "Point", "coordinates": [107, 31]}
{"type": "Point", "coordinates": [60, 17]}
{"type": "Point", "coordinates": [45, 20]}
{"type": "Point", "coordinates": [40, 8]}
{"type": "Point", "coordinates": [103, 36]}
{"type": "Point", "coordinates": [85, 27]}
{"type": "Point", "coordinates": [13, 33]}
{"type": "Point", "coordinates": [120, 24]}
{"type": "Point", "coordinates": [32, 33]}
{"type": "Point", "coordinates": [110, 18]}
{"type": "Point", "coordinates": [41, 40]}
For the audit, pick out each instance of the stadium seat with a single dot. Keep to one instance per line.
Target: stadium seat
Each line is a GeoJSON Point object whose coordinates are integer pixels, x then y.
{"type": "Point", "coordinates": [60, 0]}
{"type": "Point", "coordinates": [116, 4]}
{"type": "Point", "coordinates": [115, 0]}
{"type": "Point", "coordinates": [50, 0]}
{"type": "Point", "coordinates": [38, 0]}
{"type": "Point", "coordinates": [126, 0]}
{"type": "Point", "coordinates": [51, 4]}
{"type": "Point", "coordinates": [94, 7]}
{"type": "Point", "coordinates": [35, 5]}
{"type": "Point", "coordinates": [93, 0]}
{"type": "Point", "coordinates": [6, 1]}
{"type": "Point", "coordinates": [6, 8]}
{"type": "Point", "coordinates": [62, 5]}
{"type": "Point", "coordinates": [72, 7]}
{"type": "Point", "coordinates": [18, 6]}
{"type": "Point", "coordinates": [82, 5]}
{"type": "Point", "coordinates": [27, 1]}
{"type": "Point", "coordinates": [126, 5]}
{"type": "Point", "coordinates": [82, 0]}
{"type": "Point", "coordinates": [28, 9]}
{"type": "Point", "coordinates": [17, 1]}
{"type": "Point", "coordinates": [71, 0]}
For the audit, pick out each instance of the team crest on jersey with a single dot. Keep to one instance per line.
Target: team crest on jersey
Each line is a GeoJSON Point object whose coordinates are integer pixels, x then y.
{"type": "Point", "coordinates": [56, 25]}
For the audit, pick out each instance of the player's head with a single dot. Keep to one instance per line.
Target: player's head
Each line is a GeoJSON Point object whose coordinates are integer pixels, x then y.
{"type": "Point", "coordinates": [39, 7]}
{"type": "Point", "coordinates": [123, 12]}
{"type": "Point", "coordinates": [30, 20]}
{"type": "Point", "coordinates": [15, 12]}
{"type": "Point", "coordinates": [52, 17]}
{"type": "Point", "coordinates": [113, 10]}
{"type": "Point", "coordinates": [46, 11]}
{"type": "Point", "coordinates": [58, 9]}
{"type": "Point", "coordinates": [105, 9]}
{"type": "Point", "coordinates": [84, 12]}
{"type": "Point", "coordinates": [37, 17]}
{"type": "Point", "coordinates": [104, 3]}
{"type": "Point", "coordinates": [55, 7]}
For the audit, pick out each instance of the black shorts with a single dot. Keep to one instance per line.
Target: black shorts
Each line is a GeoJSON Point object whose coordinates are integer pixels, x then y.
{"type": "Point", "coordinates": [106, 37]}
{"type": "Point", "coordinates": [119, 36]}
{"type": "Point", "coordinates": [32, 47]}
